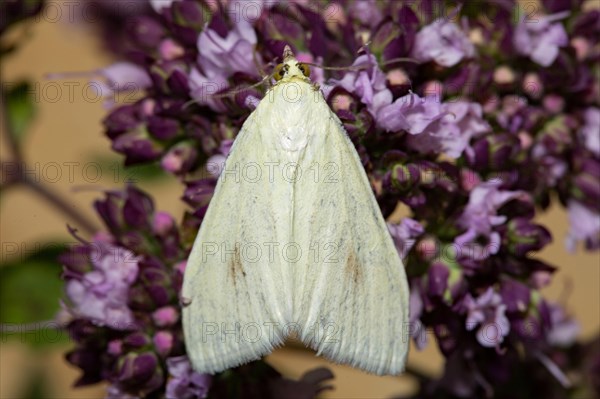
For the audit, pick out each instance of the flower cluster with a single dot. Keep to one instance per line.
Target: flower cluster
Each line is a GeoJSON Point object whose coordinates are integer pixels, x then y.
{"type": "Point", "coordinates": [122, 308]}
{"type": "Point", "coordinates": [471, 117]}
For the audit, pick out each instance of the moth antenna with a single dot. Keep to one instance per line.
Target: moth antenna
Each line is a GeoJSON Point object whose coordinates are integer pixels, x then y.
{"type": "Point", "coordinates": [229, 93]}
{"type": "Point", "coordinates": [234, 92]}
{"type": "Point", "coordinates": [361, 66]}
{"type": "Point", "coordinates": [400, 59]}
{"type": "Point", "coordinates": [257, 63]}
{"type": "Point", "coordinates": [344, 68]}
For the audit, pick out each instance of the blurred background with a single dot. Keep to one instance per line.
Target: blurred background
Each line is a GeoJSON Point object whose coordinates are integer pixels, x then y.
{"type": "Point", "coordinates": [67, 153]}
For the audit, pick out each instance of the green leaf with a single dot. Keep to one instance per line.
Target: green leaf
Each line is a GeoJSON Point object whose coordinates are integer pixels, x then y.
{"type": "Point", "coordinates": [30, 293]}
{"type": "Point", "coordinates": [114, 170]}
{"type": "Point", "coordinates": [20, 108]}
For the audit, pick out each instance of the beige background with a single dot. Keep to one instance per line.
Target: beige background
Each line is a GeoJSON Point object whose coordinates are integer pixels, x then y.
{"type": "Point", "coordinates": [69, 130]}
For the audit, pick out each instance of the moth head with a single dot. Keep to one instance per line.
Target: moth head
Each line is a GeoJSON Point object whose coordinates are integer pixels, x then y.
{"type": "Point", "coordinates": [290, 67]}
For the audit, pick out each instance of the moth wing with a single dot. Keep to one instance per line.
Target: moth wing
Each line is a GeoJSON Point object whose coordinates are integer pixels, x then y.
{"type": "Point", "coordinates": [237, 289]}
{"type": "Point", "coordinates": [351, 294]}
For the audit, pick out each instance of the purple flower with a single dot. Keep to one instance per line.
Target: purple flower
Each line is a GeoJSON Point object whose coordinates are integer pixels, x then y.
{"type": "Point", "coordinates": [480, 214]}
{"type": "Point", "coordinates": [101, 295]}
{"type": "Point", "coordinates": [487, 313]}
{"type": "Point", "coordinates": [158, 5]}
{"type": "Point", "coordinates": [202, 88]}
{"type": "Point", "coordinates": [366, 11]}
{"type": "Point", "coordinates": [590, 131]}
{"type": "Point", "coordinates": [452, 133]}
{"type": "Point", "coordinates": [223, 55]}
{"type": "Point", "coordinates": [115, 392]}
{"type": "Point", "coordinates": [540, 39]}
{"type": "Point", "coordinates": [216, 163]}
{"type": "Point", "coordinates": [470, 248]}
{"type": "Point", "coordinates": [563, 329]}
{"type": "Point", "coordinates": [584, 226]}
{"type": "Point", "coordinates": [480, 217]}
{"type": "Point", "coordinates": [184, 382]}
{"type": "Point", "coordinates": [417, 330]}
{"type": "Point", "coordinates": [368, 84]}
{"type": "Point", "coordinates": [411, 113]}
{"type": "Point", "coordinates": [515, 295]}
{"type": "Point", "coordinates": [115, 78]}
{"type": "Point", "coordinates": [443, 42]}
{"type": "Point", "coordinates": [121, 76]}
{"type": "Point", "coordinates": [140, 373]}
{"type": "Point", "coordinates": [554, 167]}
{"type": "Point", "coordinates": [405, 234]}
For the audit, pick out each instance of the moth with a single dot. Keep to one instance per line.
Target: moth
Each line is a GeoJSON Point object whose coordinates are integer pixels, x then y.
{"type": "Point", "coordinates": [293, 243]}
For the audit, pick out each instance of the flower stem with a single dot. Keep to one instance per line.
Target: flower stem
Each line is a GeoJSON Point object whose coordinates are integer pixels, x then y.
{"type": "Point", "coordinates": [60, 204]}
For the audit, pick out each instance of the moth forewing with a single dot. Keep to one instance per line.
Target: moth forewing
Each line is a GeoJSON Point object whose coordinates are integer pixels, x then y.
{"type": "Point", "coordinates": [353, 300]}
{"type": "Point", "coordinates": [238, 304]}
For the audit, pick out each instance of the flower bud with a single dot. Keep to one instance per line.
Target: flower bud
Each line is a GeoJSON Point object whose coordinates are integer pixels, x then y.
{"type": "Point", "coordinates": [540, 279]}
{"type": "Point", "coordinates": [136, 340]}
{"type": "Point", "coordinates": [169, 49]}
{"type": "Point", "coordinates": [401, 178]}
{"type": "Point", "coordinates": [163, 128]}
{"type": "Point", "coordinates": [109, 210]}
{"type": "Point", "coordinates": [180, 158]}
{"type": "Point", "coordinates": [524, 236]}
{"type": "Point", "coordinates": [158, 284]}
{"type": "Point", "coordinates": [137, 147]}
{"type": "Point", "coordinates": [504, 75]}
{"type": "Point", "coordinates": [532, 85]}
{"type": "Point", "coordinates": [515, 295]}
{"type": "Point", "coordinates": [87, 360]}
{"type": "Point", "coordinates": [386, 33]}
{"type": "Point", "coordinates": [145, 31]}
{"type": "Point", "coordinates": [162, 223]}
{"type": "Point", "coordinates": [469, 179]}
{"type": "Point", "coordinates": [140, 371]}
{"type": "Point", "coordinates": [77, 259]}
{"type": "Point", "coordinates": [189, 14]}
{"type": "Point", "coordinates": [163, 343]}
{"type": "Point", "coordinates": [115, 347]}
{"type": "Point", "coordinates": [122, 119]}
{"type": "Point", "coordinates": [554, 103]}
{"type": "Point", "coordinates": [165, 316]}
{"type": "Point", "coordinates": [494, 151]}
{"type": "Point", "coordinates": [438, 279]}
{"type": "Point", "coordinates": [138, 208]}
{"type": "Point", "coordinates": [586, 184]}
{"type": "Point", "coordinates": [556, 135]}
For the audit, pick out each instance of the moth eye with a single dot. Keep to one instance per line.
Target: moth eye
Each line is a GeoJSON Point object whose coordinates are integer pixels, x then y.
{"type": "Point", "coordinates": [305, 69]}
{"type": "Point", "coordinates": [279, 72]}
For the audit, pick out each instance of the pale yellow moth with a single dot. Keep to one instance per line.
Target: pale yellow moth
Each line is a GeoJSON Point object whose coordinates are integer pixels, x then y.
{"type": "Point", "coordinates": [293, 242]}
